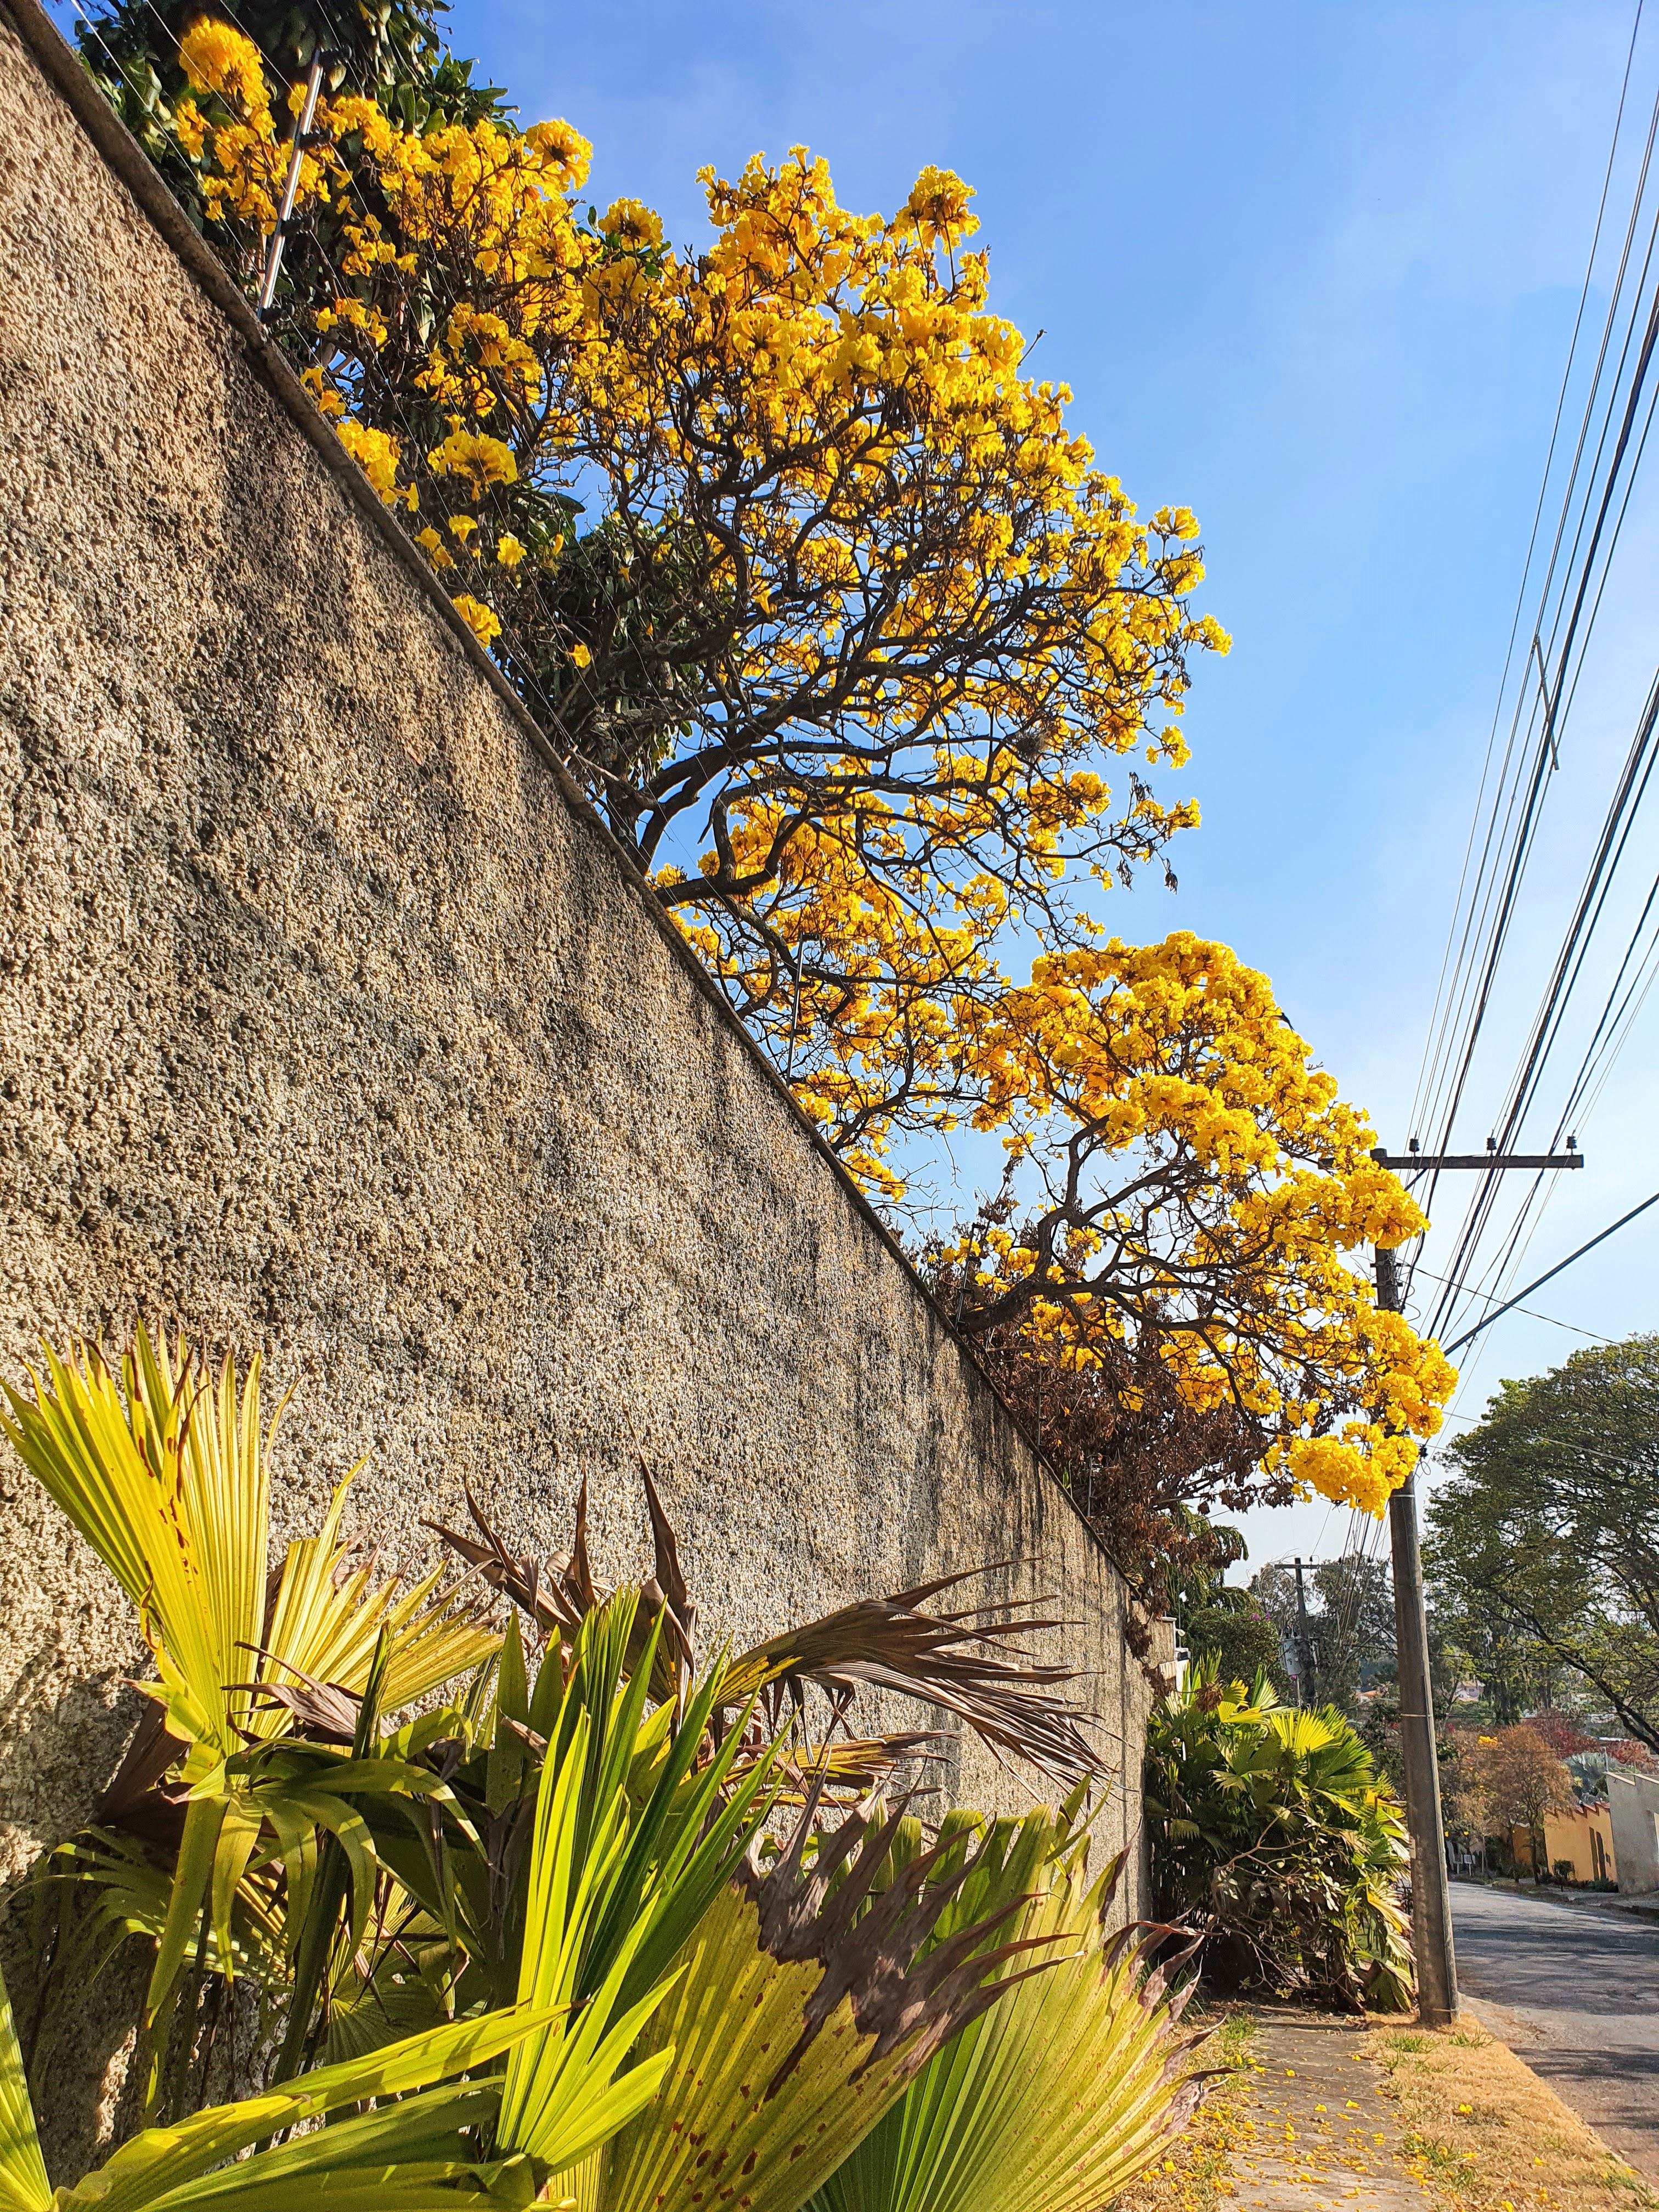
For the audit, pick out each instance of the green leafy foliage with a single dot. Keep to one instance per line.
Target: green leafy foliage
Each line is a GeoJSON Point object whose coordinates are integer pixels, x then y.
{"type": "Point", "coordinates": [1274, 1843]}
{"type": "Point", "coordinates": [1341, 1625]}
{"type": "Point", "coordinates": [1544, 1545]}
{"type": "Point", "coordinates": [413, 2145]}
{"type": "Point", "coordinates": [1243, 1641]}
{"type": "Point", "coordinates": [164, 1469]}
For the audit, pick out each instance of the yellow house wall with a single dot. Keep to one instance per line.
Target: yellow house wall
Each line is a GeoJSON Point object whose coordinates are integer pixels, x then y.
{"type": "Point", "coordinates": [1567, 1836]}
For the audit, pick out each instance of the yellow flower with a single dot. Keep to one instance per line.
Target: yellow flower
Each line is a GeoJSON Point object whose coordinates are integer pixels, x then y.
{"type": "Point", "coordinates": [433, 546]}
{"type": "Point", "coordinates": [190, 128]}
{"type": "Point", "coordinates": [483, 461]}
{"type": "Point", "coordinates": [508, 551]}
{"type": "Point", "coordinates": [216, 57]}
{"type": "Point", "coordinates": [939, 206]}
{"type": "Point", "coordinates": [316, 382]}
{"type": "Point", "coordinates": [566, 152]}
{"type": "Point", "coordinates": [635, 226]}
{"type": "Point", "coordinates": [377, 453]}
{"type": "Point", "coordinates": [484, 623]}
{"type": "Point", "coordinates": [581, 656]}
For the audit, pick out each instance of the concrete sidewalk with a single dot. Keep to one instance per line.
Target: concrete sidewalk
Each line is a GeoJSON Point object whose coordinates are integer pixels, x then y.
{"type": "Point", "coordinates": [1317, 2132]}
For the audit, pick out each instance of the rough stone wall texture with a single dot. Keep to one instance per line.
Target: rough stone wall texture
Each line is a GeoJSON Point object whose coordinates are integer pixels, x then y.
{"type": "Point", "coordinates": [330, 1028]}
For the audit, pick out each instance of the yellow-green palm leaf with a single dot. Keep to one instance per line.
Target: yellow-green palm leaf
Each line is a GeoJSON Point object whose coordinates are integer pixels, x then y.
{"type": "Point", "coordinates": [164, 1472]}
{"type": "Point", "coordinates": [803, 2007]}
{"type": "Point", "coordinates": [414, 2154]}
{"type": "Point", "coordinates": [1055, 2101]}
{"type": "Point", "coordinates": [23, 2183]}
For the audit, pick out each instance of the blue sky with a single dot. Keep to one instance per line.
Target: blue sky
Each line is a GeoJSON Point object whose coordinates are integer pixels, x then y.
{"type": "Point", "coordinates": [1313, 270]}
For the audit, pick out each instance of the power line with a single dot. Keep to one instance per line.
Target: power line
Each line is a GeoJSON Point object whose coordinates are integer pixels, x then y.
{"type": "Point", "coordinates": [1550, 1274]}
{"type": "Point", "coordinates": [1590, 522]}
{"type": "Point", "coordinates": [1432, 1046]}
{"type": "Point", "coordinates": [1527, 1310]}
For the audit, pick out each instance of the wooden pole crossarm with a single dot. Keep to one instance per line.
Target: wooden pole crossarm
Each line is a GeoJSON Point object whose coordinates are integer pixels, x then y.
{"type": "Point", "coordinates": [1410, 1162]}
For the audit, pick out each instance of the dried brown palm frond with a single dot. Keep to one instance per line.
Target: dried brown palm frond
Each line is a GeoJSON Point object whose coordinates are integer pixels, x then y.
{"type": "Point", "coordinates": [948, 1660]}
{"type": "Point", "coordinates": [840, 1767]}
{"type": "Point", "coordinates": [559, 1592]}
{"type": "Point", "coordinates": [960, 1662]}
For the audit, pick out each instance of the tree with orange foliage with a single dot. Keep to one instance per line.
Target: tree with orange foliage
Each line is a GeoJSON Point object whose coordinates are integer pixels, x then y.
{"type": "Point", "coordinates": [1508, 1781]}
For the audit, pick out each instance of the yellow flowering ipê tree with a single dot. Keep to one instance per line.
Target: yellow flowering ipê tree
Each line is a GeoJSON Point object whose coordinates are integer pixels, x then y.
{"type": "Point", "coordinates": [852, 654]}
{"type": "Point", "coordinates": [859, 625]}
{"type": "Point", "coordinates": [1181, 1177]}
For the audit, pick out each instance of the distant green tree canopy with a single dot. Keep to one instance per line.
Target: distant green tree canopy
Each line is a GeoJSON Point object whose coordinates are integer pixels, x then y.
{"type": "Point", "coordinates": [1544, 1546]}
{"type": "Point", "coordinates": [1215, 1618]}
{"type": "Point", "coordinates": [1242, 1639]}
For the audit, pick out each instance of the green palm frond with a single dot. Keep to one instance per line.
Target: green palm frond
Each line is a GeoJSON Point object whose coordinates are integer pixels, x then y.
{"type": "Point", "coordinates": [1273, 1838]}
{"type": "Point", "coordinates": [389, 2150]}
{"type": "Point", "coordinates": [567, 2038]}
{"type": "Point", "coordinates": [811, 1995]}
{"type": "Point", "coordinates": [1072, 2085]}
{"type": "Point", "coordinates": [165, 1473]}
{"type": "Point", "coordinates": [23, 2183]}
{"type": "Point", "coordinates": [1300, 1732]}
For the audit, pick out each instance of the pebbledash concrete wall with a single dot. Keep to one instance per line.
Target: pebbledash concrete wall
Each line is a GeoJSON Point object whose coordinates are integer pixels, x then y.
{"type": "Point", "coordinates": [331, 1027]}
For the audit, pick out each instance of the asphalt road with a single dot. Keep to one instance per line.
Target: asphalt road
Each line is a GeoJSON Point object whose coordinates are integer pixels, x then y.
{"type": "Point", "coordinates": [1574, 1992]}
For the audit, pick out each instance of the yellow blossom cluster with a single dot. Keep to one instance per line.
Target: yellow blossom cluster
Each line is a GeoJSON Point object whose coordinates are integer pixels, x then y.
{"type": "Point", "coordinates": [889, 467]}
{"type": "Point", "coordinates": [247, 165]}
{"type": "Point", "coordinates": [850, 975]}
{"type": "Point", "coordinates": [1197, 1175]}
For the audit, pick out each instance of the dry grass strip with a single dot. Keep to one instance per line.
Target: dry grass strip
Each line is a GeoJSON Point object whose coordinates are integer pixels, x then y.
{"type": "Point", "coordinates": [1486, 2135]}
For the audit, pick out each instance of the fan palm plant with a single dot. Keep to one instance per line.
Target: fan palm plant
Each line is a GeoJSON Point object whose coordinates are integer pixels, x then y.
{"type": "Point", "coordinates": [807, 1986]}
{"type": "Point", "coordinates": [491, 2137]}
{"type": "Point", "coordinates": [165, 1473]}
{"type": "Point", "coordinates": [418, 2153]}
{"type": "Point", "coordinates": [816, 1989]}
{"type": "Point", "coordinates": [586, 1826]}
{"type": "Point", "coordinates": [1069, 2087]}
{"type": "Point", "coordinates": [1273, 1837]}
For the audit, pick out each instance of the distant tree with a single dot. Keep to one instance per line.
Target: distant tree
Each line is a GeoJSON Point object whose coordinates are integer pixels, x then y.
{"type": "Point", "coordinates": [1546, 1541]}
{"type": "Point", "coordinates": [1350, 1604]}
{"type": "Point", "coordinates": [1465, 1806]}
{"type": "Point", "coordinates": [1478, 1641]}
{"type": "Point", "coordinates": [1512, 1780]}
{"type": "Point", "coordinates": [1560, 1732]}
{"type": "Point", "coordinates": [1240, 1637]}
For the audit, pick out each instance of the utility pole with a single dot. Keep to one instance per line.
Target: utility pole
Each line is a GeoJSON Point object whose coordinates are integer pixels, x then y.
{"type": "Point", "coordinates": [1305, 1641]}
{"type": "Point", "coordinates": [1432, 1924]}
